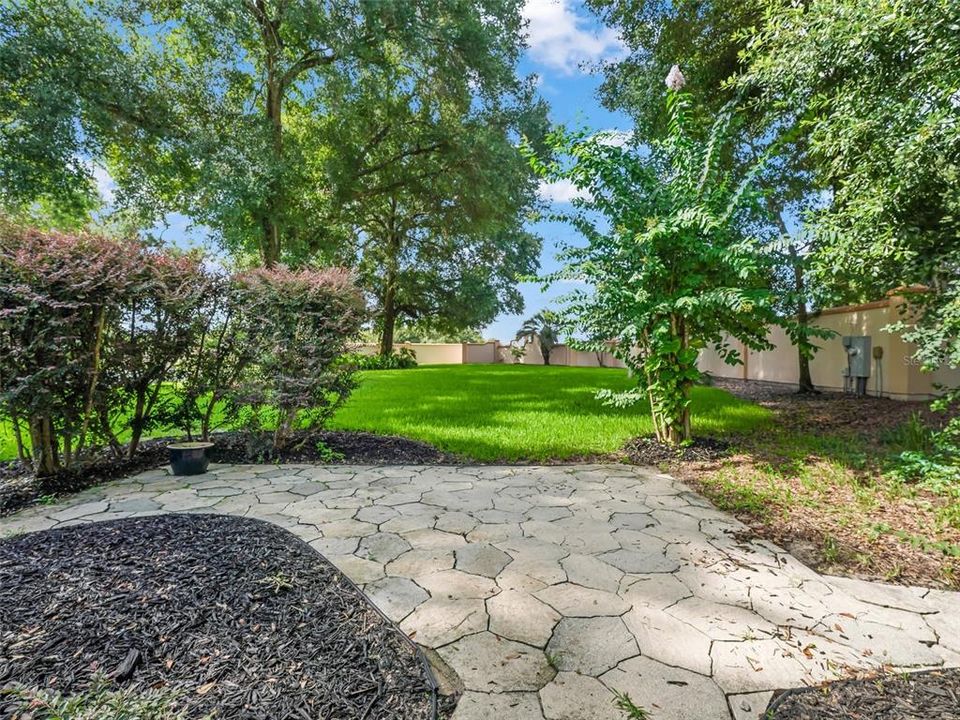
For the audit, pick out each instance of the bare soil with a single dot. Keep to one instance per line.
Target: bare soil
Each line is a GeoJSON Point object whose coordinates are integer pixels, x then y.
{"type": "Point", "coordinates": [829, 500]}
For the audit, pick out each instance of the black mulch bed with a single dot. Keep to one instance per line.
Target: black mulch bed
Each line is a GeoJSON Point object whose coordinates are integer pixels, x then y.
{"type": "Point", "coordinates": [650, 451]}
{"type": "Point", "coordinates": [347, 447]}
{"type": "Point", "coordinates": [19, 488]}
{"type": "Point", "coordinates": [931, 695]}
{"type": "Point", "coordinates": [233, 616]}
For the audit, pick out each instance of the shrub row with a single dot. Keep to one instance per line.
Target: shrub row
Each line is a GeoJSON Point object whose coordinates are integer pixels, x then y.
{"type": "Point", "coordinates": [103, 339]}
{"type": "Point", "coordinates": [403, 359]}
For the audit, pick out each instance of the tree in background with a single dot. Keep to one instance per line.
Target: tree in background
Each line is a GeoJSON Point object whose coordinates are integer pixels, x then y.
{"type": "Point", "coordinates": [211, 108]}
{"type": "Point", "coordinates": [670, 267]}
{"type": "Point", "coordinates": [68, 92]}
{"type": "Point", "coordinates": [707, 38]}
{"type": "Point", "coordinates": [874, 83]}
{"type": "Point", "coordinates": [437, 193]}
{"type": "Point", "coordinates": [541, 329]}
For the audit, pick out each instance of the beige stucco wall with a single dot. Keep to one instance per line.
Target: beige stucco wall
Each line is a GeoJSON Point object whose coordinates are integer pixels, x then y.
{"type": "Point", "coordinates": [484, 353]}
{"type": "Point", "coordinates": [561, 355]}
{"type": "Point", "coordinates": [427, 353]}
{"type": "Point", "coordinates": [901, 377]}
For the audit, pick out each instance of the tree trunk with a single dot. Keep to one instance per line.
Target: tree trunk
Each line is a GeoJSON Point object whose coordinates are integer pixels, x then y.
{"type": "Point", "coordinates": [388, 318]}
{"type": "Point", "coordinates": [45, 459]}
{"type": "Point", "coordinates": [136, 424]}
{"type": "Point", "coordinates": [271, 245]}
{"type": "Point", "coordinates": [805, 379]}
{"type": "Point", "coordinates": [94, 379]}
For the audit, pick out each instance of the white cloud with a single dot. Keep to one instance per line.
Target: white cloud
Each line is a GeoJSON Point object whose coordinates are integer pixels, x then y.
{"type": "Point", "coordinates": [615, 138]}
{"type": "Point", "coordinates": [561, 38]}
{"type": "Point", "coordinates": [561, 191]}
{"type": "Point", "coordinates": [105, 184]}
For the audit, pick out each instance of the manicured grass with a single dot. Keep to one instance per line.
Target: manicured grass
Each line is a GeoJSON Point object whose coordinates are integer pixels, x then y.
{"type": "Point", "coordinates": [521, 412]}
{"type": "Point", "coordinates": [509, 412]}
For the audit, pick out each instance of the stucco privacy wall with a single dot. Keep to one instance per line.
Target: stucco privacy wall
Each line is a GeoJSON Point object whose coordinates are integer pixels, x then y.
{"type": "Point", "coordinates": [494, 352]}
{"type": "Point", "coordinates": [900, 376]}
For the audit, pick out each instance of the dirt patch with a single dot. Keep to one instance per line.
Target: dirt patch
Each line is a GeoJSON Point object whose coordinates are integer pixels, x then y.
{"type": "Point", "coordinates": [918, 696]}
{"type": "Point", "coordinates": [230, 616]}
{"type": "Point", "coordinates": [824, 411]}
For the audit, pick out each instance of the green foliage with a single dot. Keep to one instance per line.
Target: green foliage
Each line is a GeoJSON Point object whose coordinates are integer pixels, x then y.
{"type": "Point", "coordinates": [154, 333]}
{"type": "Point", "coordinates": [327, 454]}
{"type": "Point", "coordinates": [521, 412]}
{"type": "Point", "coordinates": [874, 86]}
{"type": "Point", "coordinates": [440, 192]}
{"type": "Point", "coordinates": [101, 702]}
{"type": "Point", "coordinates": [403, 359]}
{"type": "Point", "coordinates": [64, 301]}
{"type": "Point", "coordinates": [542, 330]}
{"type": "Point", "coordinates": [106, 339]}
{"type": "Point", "coordinates": [301, 322]}
{"type": "Point", "coordinates": [631, 709]}
{"type": "Point", "coordinates": [222, 349]}
{"type": "Point", "coordinates": [671, 269]}
{"type": "Point", "coordinates": [68, 91]}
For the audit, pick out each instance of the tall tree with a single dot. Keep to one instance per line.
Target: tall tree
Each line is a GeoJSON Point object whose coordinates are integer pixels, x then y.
{"type": "Point", "coordinates": [238, 81]}
{"type": "Point", "coordinates": [262, 65]}
{"type": "Point", "coordinates": [437, 192]}
{"type": "Point", "coordinates": [707, 38]}
{"type": "Point", "coordinates": [67, 91]}
{"type": "Point", "coordinates": [875, 85]}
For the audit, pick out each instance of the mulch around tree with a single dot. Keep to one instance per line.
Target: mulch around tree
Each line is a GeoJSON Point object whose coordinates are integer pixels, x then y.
{"type": "Point", "coordinates": [917, 696]}
{"type": "Point", "coordinates": [19, 488]}
{"type": "Point", "coordinates": [232, 616]}
{"type": "Point", "coordinates": [650, 451]}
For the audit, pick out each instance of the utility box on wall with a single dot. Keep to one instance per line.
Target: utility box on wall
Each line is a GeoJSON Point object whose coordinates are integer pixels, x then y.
{"type": "Point", "coordinates": [855, 375]}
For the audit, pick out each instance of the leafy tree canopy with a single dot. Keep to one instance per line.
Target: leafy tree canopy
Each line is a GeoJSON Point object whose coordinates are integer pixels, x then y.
{"type": "Point", "coordinates": [875, 85]}
{"type": "Point", "coordinates": [668, 268]}
{"type": "Point", "coordinates": [437, 191]}
{"type": "Point", "coordinates": [212, 109]}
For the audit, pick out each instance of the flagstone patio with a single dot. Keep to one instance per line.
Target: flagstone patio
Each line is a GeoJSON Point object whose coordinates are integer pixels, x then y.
{"type": "Point", "coordinates": [546, 589]}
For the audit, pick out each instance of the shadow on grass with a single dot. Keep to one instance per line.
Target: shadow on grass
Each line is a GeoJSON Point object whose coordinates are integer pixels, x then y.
{"type": "Point", "coordinates": [522, 412]}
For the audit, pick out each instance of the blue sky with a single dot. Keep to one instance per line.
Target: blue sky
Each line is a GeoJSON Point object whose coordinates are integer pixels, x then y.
{"type": "Point", "coordinates": [564, 41]}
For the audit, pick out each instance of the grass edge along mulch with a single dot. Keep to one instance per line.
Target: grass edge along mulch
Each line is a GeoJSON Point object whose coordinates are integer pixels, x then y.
{"type": "Point", "coordinates": [227, 614]}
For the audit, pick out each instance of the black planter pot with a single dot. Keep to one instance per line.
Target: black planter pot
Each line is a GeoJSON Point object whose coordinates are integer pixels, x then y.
{"type": "Point", "coordinates": [189, 458]}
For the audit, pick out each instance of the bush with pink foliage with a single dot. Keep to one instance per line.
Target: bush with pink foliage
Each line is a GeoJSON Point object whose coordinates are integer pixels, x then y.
{"type": "Point", "coordinates": [93, 328]}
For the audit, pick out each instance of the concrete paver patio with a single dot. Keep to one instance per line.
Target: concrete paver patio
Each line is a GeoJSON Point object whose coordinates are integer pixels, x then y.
{"type": "Point", "coordinates": [546, 589]}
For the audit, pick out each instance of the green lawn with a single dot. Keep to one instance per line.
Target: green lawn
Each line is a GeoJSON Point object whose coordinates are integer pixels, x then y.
{"type": "Point", "coordinates": [520, 412]}
{"type": "Point", "coordinates": [510, 412]}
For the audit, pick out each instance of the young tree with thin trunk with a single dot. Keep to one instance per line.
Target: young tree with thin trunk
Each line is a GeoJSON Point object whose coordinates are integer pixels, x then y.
{"type": "Point", "coordinates": [708, 39]}
{"type": "Point", "coordinates": [670, 269]}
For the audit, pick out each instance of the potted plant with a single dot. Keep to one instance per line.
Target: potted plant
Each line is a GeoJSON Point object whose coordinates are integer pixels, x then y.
{"type": "Point", "coordinates": [189, 458]}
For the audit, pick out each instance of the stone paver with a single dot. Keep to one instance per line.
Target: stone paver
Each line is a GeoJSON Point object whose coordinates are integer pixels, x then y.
{"type": "Point", "coordinates": [487, 663]}
{"type": "Point", "coordinates": [550, 589]}
{"type": "Point", "coordinates": [572, 696]}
